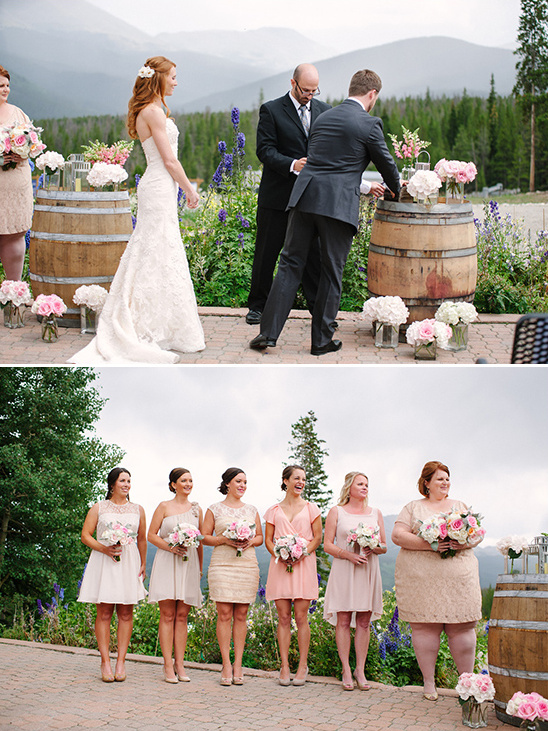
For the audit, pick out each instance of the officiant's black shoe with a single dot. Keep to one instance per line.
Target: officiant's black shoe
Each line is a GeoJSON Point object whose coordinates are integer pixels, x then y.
{"type": "Point", "coordinates": [261, 342]}
{"type": "Point", "coordinates": [331, 347]}
{"type": "Point", "coordinates": [253, 317]}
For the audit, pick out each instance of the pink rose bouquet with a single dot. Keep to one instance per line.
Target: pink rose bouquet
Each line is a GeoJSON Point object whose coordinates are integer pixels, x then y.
{"type": "Point", "coordinates": [428, 331]}
{"type": "Point", "coordinates": [290, 549]}
{"type": "Point", "coordinates": [463, 527]}
{"type": "Point", "coordinates": [16, 292]}
{"type": "Point", "coordinates": [363, 536]}
{"type": "Point", "coordinates": [240, 531]}
{"type": "Point", "coordinates": [117, 534]}
{"type": "Point", "coordinates": [456, 170]}
{"type": "Point", "coordinates": [185, 535]}
{"type": "Point", "coordinates": [47, 305]}
{"type": "Point", "coordinates": [478, 686]}
{"type": "Point", "coordinates": [22, 138]}
{"type": "Point", "coordinates": [528, 706]}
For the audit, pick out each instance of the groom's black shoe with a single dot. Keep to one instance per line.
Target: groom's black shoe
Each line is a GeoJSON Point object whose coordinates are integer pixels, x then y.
{"type": "Point", "coordinates": [331, 347]}
{"type": "Point", "coordinates": [253, 317]}
{"type": "Point", "coordinates": [261, 342]}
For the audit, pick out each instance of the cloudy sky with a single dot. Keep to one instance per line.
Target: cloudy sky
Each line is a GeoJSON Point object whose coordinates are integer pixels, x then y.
{"type": "Point", "coordinates": [488, 424]}
{"type": "Point", "coordinates": [363, 23]}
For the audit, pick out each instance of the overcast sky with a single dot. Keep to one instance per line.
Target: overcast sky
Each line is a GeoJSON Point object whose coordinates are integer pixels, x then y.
{"type": "Point", "coordinates": [351, 25]}
{"type": "Point", "coordinates": [488, 424]}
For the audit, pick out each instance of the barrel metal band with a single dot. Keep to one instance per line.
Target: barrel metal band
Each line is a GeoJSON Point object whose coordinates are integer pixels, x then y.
{"type": "Point", "coordinates": [525, 594]}
{"type": "Point", "coordinates": [513, 673]}
{"type": "Point", "coordinates": [71, 280]}
{"type": "Point", "coordinates": [430, 219]}
{"type": "Point", "coordinates": [522, 578]}
{"type": "Point", "coordinates": [79, 238]}
{"type": "Point", "coordinates": [517, 624]}
{"type": "Point", "coordinates": [416, 254]}
{"type": "Point", "coordinates": [68, 195]}
{"type": "Point", "coordinates": [84, 211]}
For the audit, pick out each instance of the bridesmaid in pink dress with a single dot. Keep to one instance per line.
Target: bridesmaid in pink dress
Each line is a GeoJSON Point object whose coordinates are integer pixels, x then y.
{"type": "Point", "coordinates": [293, 516]}
{"type": "Point", "coordinates": [353, 596]}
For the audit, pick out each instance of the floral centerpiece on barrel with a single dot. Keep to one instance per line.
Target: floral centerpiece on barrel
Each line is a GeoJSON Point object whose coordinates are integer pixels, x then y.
{"type": "Point", "coordinates": [408, 149]}
{"type": "Point", "coordinates": [458, 315]}
{"type": "Point", "coordinates": [108, 162]}
{"type": "Point", "coordinates": [511, 548]}
{"type": "Point", "coordinates": [424, 186]}
{"type": "Point", "coordinates": [50, 163]}
{"type": "Point", "coordinates": [455, 173]}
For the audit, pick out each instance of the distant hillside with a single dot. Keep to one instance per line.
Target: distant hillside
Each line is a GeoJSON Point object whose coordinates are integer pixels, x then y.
{"type": "Point", "coordinates": [73, 59]}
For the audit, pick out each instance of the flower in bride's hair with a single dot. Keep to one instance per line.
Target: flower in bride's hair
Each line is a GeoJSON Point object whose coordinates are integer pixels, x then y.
{"type": "Point", "coordinates": [145, 72]}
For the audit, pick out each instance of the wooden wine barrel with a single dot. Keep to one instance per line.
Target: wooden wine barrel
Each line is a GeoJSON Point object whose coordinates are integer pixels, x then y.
{"type": "Point", "coordinates": [76, 239]}
{"type": "Point", "coordinates": [518, 638]}
{"type": "Point", "coordinates": [424, 255]}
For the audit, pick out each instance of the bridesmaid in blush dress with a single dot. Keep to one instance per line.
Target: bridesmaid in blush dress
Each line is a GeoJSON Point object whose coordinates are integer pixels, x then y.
{"type": "Point", "coordinates": [175, 577]}
{"type": "Point", "coordinates": [353, 596]}
{"type": "Point", "coordinates": [114, 573]}
{"type": "Point", "coordinates": [233, 573]}
{"type": "Point", "coordinates": [293, 516]}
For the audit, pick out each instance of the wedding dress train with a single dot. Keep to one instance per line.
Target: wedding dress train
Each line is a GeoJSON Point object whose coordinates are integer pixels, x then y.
{"type": "Point", "coordinates": [151, 308]}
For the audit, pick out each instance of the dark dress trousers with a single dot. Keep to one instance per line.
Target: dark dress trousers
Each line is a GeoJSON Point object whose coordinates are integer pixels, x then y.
{"type": "Point", "coordinates": [280, 140]}
{"type": "Point", "coordinates": [325, 202]}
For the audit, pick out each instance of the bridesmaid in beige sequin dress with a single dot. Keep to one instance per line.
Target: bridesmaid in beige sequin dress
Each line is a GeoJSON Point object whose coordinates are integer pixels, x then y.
{"type": "Point", "coordinates": [233, 580]}
{"type": "Point", "coordinates": [175, 577]}
{"type": "Point", "coordinates": [434, 594]}
{"type": "Point", "coordinates": [15, 192]}
{"type": "Point", "coordinates": [114, 574]}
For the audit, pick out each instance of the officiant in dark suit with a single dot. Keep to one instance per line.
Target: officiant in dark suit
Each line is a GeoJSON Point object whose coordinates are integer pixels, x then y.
{"type": "Point", "coordinates": [282, 142]}
{"type": "Point", "coordinates": [325, 202]}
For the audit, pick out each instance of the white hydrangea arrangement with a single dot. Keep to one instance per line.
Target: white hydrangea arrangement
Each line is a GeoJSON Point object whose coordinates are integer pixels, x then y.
{"type": "Point", "coordinates": [92, 296]}
{"type": "Point", "coordinates": [454, 312]}
{"type": "Point", "coordinates": [389, 310]}
{"type": "Point", "coordinates": [424, 184]}
{"type": "Point", "coordinates": [103, 173]}
{"type": "Point", "coordinates": [50, 160]}
{"type": "Point", "coordinates": [512, 545]}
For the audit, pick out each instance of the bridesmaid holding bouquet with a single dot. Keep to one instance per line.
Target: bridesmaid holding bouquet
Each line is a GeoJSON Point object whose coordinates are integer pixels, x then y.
{"type": "Point", "coordinates": [292, 575]}
{"type": "Point", "coordinates": [175, 530]}
{"type": "Point", "coordinates": [354, 536]}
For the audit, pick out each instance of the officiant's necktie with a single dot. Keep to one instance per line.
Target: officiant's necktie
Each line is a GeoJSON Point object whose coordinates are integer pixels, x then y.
{"type": "Point", "coordinates": [303, 113]}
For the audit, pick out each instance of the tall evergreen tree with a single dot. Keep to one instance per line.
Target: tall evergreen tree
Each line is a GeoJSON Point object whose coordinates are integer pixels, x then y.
{"type": "Point", "coordinates": [306, 449]}
{"type": "Point", "coordinates": [532, 68]}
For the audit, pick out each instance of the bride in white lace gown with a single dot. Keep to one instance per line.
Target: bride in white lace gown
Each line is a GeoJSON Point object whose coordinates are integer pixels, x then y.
{"type": "Point", "coordinates": [151, 308]}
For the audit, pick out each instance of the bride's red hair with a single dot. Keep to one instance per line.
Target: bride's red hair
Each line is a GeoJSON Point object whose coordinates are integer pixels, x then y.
{"type": "Point", "coordinates": [146, 90]}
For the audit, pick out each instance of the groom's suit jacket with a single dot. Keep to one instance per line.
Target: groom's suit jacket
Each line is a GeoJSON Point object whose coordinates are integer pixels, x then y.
{"type": "Point", "coordinates": [280, 140]}
{"type": "Point", "coordinates": [342, 143]}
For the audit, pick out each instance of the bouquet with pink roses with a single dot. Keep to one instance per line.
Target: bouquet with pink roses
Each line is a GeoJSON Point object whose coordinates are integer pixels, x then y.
{"type": "Point", "coordinates": [16, 292]}
{"type": "Point", "coordinates": [363, 536]}
{"type": "Point", "coordinates": [185, 535]}
{"type": "Point", "coordinates": [456, 171]}
{"type": "Point", "coordinates": [240, 531]}
{"type": "Point", "coordinates": [529, 707]}
{"type": "Point", "coordinates": [478, 686]}
{"type": "Point", "coordinates": [117, 534]}
{"type": "Point", "coordinates": [463, 527]}
{"type": "Point", "coordinates": [46, 305]}
{"type": "Point", "coordinates": [290, 549]}
{"type": "Point", "coordinates": [428, 331]}
{"type": "Point", "coordinates": [21, 138]}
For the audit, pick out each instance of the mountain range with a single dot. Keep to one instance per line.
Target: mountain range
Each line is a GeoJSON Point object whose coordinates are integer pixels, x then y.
{"type": "Point", "coordinates": [71, 59]}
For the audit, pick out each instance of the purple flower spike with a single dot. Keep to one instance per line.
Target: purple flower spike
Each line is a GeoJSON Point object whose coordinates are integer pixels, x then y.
{"type": "Point", "coordinates": [222, 215]}
{"type": "Point", "coordinates": [235, 117]}
{"type": "Point", "coordinates": [222, 147]}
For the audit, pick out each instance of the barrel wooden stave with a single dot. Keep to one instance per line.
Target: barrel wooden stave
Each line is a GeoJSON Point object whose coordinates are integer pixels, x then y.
{"type": "Point", "coordinates": [424, 256]}
{"type": "Point", "coordinates": [77, 239]}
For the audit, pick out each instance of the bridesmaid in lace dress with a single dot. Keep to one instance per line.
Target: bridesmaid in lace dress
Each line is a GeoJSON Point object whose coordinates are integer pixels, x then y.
{"type": "Point", "coordinates": [436, 595]}
{"type": "Point", "coordinates": [175, 577]}
{"type": "Point", "coordinates": [353, 597]}
{"type": "Point", "coordinates": [233, 578]}
{"type": "Point", "coordinates": [114, 573]}
{"type": "Point", "coordinates": [293, 516]}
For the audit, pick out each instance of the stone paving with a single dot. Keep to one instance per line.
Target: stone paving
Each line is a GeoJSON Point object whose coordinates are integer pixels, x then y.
{"type": "Point", "coordinates": [51, 687]}
{"type": "Point", "coordinates": [227, 337]}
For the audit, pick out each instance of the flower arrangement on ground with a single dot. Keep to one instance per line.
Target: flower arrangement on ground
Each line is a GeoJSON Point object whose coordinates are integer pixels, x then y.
{"type": "Point", "coordinates": [424, 185]}
{"type": "Point", "coordinates": [290, 549]}
{"type": "Point", "coordinates": [474, 690]}
{"type": "Point", "coordinates": [185, 535]}
{"type": "Point", "coordinates": [240, 531]}
{"type": "Point", "coordinates": [363, 536]}
{"type": "Point", "coordinates": [513, 547]}
{"type": "Point", "coordinates": [391, 310]}
{"type": "Point", "coordinates": [49, 307]}
{"type": "Point", "coordinates": [428, 333]}
{"type": "Point", "coordinates": [50, 161]}
{"type": "Point", "coordinates": [22, 138]}
{"type": "Point", "coordinates": [90, 295]}
{"type": "Point", "coordinates": [458, 315]}
{"type": "Point", "coordinates": [116, 154]}
{"type": "Point", "coordinates": [461, 526]}
{"type": "Point", "coordinates": [118, 534]}
{"type": "Point", "coordinates": [14, 296]}
{"type": "Point", "coordinates": [530, 707]}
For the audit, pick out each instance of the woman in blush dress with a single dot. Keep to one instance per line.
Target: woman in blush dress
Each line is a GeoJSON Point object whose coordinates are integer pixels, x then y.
{"type": "Point", "coordinates": [353, 597]}
{"type": "Point", "coordinates": [293, 582]}
{"type": "Point", "coordinates": [175, 577]}
{"type": "Point", "coordinates": [151, 309]}
{"type": "Point", "coordinates": [16, 198]}
{"type": "Point", "coordinates": [233, 573]}
{"type": "Point", "coordinates": [435, 594]}
{"type": "Point", "coordinates": [114, 573]}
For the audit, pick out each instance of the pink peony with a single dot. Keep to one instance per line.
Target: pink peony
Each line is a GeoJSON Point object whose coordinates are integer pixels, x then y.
{"type": "Point", "coordinates": [527, 710]}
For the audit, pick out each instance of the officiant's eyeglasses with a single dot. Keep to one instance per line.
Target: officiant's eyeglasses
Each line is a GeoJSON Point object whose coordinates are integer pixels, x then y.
{"type": "Point", "coordinates": [307, 92]}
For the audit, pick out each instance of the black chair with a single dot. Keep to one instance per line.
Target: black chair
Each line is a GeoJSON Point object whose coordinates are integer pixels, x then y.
{"type": "Point", "coordinates": [531, 339]}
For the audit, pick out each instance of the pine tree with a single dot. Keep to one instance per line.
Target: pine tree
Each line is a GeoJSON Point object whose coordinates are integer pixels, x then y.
{"type": "Point", "coordinates": [306, 449]}
{"type": "Point", "coordinates": [532, 68]}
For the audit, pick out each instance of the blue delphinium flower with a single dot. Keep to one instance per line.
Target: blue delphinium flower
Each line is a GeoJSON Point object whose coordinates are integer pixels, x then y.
{"type": "Point", "coordinates": [218, 174]}
{"type": "Point", "coordinates": [229, 163]}
{"type": "Point", "coordinates": [235, 117]}
{"type": "Point", "coordinates": [262, 593]}
{"type": "Point", "coordinates": [240, 140]}
{"type": "Point", "coordinates": [241, 240]}
{"type": "Point", "coordinates": [133, 221]}
{"type": "Point", "coordinates": [313, 606]}
{"type": "Point", "coordinates": [222, 215]}
{"type": "Point", "coordinates": [40, 607]}
{"type": "Point", "coordinates": [137, 179]}
{"type": "Point", "coordinates": [56, 588]}
{"type": "Point", "coordinates": [180, 194]}
{"type": "Point", "coordinates": [27, 239]}
{"type": "Point", "coordinates": [222, 147]}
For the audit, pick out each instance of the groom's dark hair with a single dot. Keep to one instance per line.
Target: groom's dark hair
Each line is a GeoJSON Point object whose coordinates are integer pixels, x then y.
{"type": "Point", "coordinates": [363, 82]}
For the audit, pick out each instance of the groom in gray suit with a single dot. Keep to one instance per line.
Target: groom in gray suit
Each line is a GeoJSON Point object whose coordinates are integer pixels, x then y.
{"type": "Point", "coordinates": [325, 202]}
